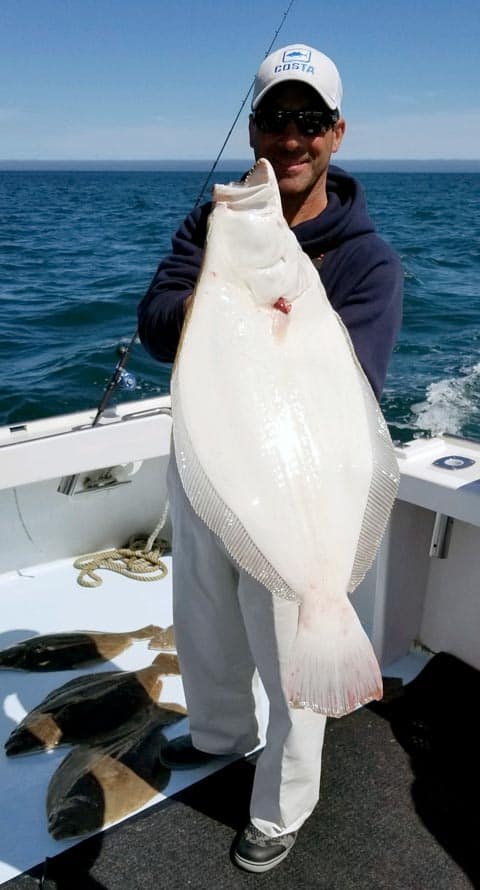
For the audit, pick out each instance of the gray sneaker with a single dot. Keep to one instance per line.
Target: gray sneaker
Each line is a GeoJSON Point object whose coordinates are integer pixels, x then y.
{"type": "Point", "coordinates": [255, 851]}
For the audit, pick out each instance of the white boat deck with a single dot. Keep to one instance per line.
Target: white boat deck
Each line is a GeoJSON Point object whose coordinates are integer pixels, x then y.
{"type": "Point", "coordinates": [47, 599]}
{"type": "Point", "coordinates": [408, 596]}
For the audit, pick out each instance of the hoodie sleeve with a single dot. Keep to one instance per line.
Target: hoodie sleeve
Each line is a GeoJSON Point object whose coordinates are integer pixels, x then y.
{"type": "Point", "coordinates": [161, 311]}
{"type": "Point", "coordinates": [366, 289]}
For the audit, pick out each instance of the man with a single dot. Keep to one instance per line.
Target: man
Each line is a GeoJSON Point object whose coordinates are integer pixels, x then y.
{"type": "Point", "coordinates": [227, 624]}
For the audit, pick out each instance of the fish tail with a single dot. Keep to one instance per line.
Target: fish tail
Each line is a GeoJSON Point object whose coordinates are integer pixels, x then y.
{"type": "Point", "coordinates": [167, 663]}
{"type": "Point", "coordinates": [145, 633]}
{"type": "Point", "coordinates": [333, 668]}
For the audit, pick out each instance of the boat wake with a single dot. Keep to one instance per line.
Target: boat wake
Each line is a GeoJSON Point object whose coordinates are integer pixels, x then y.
{"type": "Point", "coordinates": [451, 405]}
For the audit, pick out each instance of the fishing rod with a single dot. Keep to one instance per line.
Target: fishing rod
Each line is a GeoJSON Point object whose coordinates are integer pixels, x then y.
{"type": "Point", "coordinates": [227, 137]}
{"type": "Point", "coordinates": [120, 375]}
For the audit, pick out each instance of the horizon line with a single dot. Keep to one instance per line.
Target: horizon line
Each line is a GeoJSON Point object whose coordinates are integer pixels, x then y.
{"type": "Point", "coordinates": [226, 164]}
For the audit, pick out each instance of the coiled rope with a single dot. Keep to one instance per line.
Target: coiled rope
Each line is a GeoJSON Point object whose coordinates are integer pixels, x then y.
{"type": "Point", "coordinates": [139, 560]}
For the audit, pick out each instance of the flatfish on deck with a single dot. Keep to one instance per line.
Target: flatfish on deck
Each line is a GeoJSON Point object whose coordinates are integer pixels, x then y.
{"type": "Point", "coordinates": [91, 707]}
{"type": "Point", "coordinates": [280, 443]}
{"type": "Point", "coordinates": [95, 786]}
{"type": "Point", "coordinates": [63, 651]}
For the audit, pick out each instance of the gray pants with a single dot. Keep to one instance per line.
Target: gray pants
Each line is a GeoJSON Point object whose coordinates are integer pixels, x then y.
{"type": "Point", "coordinates": [226, 626]}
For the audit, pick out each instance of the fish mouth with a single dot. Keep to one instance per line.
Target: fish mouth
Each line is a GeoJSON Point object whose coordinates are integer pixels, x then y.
{"type": "Point", "coordinates": [258, 190]}
{"type": "Point", "coordinates": [259, 174]}
{"type": "Point", "coordinates": [62, 826]}
{"type": "Point", "coordinates": [22, 743]}
{"type": "Point", "coordinates": [11, 659]}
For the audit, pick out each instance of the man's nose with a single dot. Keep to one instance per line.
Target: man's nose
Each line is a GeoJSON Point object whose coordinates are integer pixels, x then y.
{"type": "Point", "coordinates": [291, 135]}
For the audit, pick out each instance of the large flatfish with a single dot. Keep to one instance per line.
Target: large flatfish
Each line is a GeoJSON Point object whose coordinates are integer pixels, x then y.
{"type": "Point", "coordinates": [63, 651]}
{"type": "Point", "coordinates": [280, 443]}
{"type": "Point", "coordinates": [90, 707]}
{"type": "Point", "coordinates": [95, 786]}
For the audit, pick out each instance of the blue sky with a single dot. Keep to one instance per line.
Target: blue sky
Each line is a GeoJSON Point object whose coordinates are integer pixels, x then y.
{"type": "Point", "coordinates": [148, 79]}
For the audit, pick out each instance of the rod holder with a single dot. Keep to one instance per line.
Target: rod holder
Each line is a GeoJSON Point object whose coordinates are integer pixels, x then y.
{"type": "Point", "coordinates": [442, 530]}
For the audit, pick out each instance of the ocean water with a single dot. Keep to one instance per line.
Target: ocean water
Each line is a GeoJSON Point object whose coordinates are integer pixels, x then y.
{"type": "Point", "coordinates": [78, 250]}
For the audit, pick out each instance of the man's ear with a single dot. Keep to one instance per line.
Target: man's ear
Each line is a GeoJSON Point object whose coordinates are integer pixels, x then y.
{"type": "Point", "coordinates": [338, 134]}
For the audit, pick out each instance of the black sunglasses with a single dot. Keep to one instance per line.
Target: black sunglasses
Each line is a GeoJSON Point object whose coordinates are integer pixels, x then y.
{"type": "Point", "coordinates": [310, 123]}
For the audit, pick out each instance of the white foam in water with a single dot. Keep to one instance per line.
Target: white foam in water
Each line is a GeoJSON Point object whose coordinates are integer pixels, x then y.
{"type": "Point", "coordinates": [450, 404]}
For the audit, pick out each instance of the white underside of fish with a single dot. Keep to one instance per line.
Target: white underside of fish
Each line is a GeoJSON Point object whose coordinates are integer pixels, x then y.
{"type": "Point", "coordinates": [283, 452]}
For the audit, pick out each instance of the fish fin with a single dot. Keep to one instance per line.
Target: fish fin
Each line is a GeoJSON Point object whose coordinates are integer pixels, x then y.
{"type": "Point", "coordinates": [381, 495]}
{"type": "Point", "coordinates": [212, 510]}
{"type": "Point", "coordinates": [384, 482]}
{"type": "Point", "coordinates": [333, 668]}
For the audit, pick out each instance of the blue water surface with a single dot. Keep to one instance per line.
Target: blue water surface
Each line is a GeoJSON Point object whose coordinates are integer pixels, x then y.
{"type": "Point", "coordinates": [78, 250]}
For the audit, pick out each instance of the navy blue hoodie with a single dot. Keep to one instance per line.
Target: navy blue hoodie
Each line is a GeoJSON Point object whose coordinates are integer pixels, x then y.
{"type": "Point", "coordinates": [361, 274]}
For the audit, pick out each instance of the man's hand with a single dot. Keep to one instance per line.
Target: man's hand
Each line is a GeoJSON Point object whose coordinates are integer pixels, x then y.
{"type": "Point", "coordinates": [186, 304]}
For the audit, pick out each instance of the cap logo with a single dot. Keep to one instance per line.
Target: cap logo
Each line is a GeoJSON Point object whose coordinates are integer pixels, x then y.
{"type": "Point", "coordinates": [297, 55]}
{"type": "Point", "coordinates": [294, 66]}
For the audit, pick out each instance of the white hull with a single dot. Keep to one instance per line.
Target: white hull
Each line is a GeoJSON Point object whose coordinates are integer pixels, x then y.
{"type": "Point", "coordinates": [411, 602]}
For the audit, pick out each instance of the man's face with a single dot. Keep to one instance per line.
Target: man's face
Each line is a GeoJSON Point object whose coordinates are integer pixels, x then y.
{"type": "Point", "coordinates": [300, 161]}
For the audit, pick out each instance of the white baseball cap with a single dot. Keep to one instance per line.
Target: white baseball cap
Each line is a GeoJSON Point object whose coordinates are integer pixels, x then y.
{"type": "Point", "coordinates": [301, 63]}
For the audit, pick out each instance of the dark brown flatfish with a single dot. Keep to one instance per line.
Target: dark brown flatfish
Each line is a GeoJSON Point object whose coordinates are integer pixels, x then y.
{"type": "Point", "coordinates": [90, 707]}
{"type": "Point", "coordinates": [64, 651]}
{"type": "Point", "coordinates": [95, 786]}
